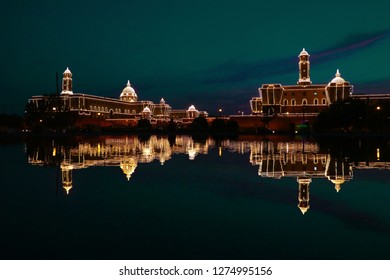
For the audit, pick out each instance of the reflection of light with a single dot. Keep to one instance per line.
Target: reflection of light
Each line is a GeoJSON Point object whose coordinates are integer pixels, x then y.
{"type": "Point", "coordinates": [54, 152]}
{"type": "Point", "coordinates": [378, 154]}
{"type": "Point", "coordinates": [220, 151]}
{"type": "Point", "coordinates": [192, 154]}
{"type": "Point", "coordinates": [147, 151]}
{"type": "Point", "coordinates": [98, 149]}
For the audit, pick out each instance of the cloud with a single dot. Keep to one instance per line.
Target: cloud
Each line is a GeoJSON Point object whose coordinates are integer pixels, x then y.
{"type": "Point", "coordinates": [242, 72]}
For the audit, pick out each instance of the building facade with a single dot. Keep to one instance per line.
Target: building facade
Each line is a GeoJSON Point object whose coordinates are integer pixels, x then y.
{"type": "Point", "coordinates": [80, 106]}
{"type": "Point", "coordinates": [303, 98]}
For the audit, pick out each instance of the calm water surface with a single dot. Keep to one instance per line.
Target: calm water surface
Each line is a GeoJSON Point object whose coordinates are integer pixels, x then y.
{"type": "Point", "coordinates": [181, 198]}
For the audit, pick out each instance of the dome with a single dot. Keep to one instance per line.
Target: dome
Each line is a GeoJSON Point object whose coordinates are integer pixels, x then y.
{"type": "Point", "coordinates": [192, 108]}
{"type": "Point", "coordinates": [128, 93]}
{"type": "Point", "coordinates": [67, 71]}
{"type": "Point", "coordinates": [337, 79]}
{"type": "Point", "coordinates": [303, 52]}
{"type": "Point", "coordinates": [162, 101]}
{"type": "Point", "coordinates": [146, 110]}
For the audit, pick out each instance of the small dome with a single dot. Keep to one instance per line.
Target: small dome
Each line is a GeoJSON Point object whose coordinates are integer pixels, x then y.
{"type": "Point", "coordinates": [337, 79]}
{"type": "Point", "coordinates": [192, 108]}
{"type": "Point", "coordinates": [162, 101]}
{"type": "Point", "coordinates": [67, 71]}
{"type": "Point", "coordinates": [146, 110]}
{"type": "Point", "coordinates": [128, 93]}
{"type": "Point", "coordinates": [303, 52]}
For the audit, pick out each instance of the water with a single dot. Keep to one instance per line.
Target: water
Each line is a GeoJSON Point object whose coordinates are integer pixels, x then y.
{"type": "Point", "coordinates": [182, 198]}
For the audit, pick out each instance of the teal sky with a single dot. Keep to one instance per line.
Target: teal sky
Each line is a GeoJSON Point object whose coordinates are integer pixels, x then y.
{"type": "Point", "coordinates": [208, 53]}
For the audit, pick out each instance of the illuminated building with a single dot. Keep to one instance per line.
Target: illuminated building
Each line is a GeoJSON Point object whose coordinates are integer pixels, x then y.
{"type": "Point", "coordinates": [303, 98]}
{"type": "Point", "coordinates": [125, 153]}
{"type": "Point", "coordinates": [80, 109]}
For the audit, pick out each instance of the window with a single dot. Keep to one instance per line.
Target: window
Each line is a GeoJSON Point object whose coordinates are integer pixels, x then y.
{"type": "Point", "coordinates": [304, 101]}
{"type": "Point", "coordinates": [293, 102]}
{"type": "Point", "coordinates": [315, 101]}
{"type": "Point", "coordinates": [285, 102]}
{"type": "Point", "coordinates": [323, 101]}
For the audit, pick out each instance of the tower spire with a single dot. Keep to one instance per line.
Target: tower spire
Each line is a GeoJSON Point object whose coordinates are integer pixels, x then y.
{"type": "Point", "coordinates": [67, 82]}
{"type": "Point", "coordinates": [304, 68]}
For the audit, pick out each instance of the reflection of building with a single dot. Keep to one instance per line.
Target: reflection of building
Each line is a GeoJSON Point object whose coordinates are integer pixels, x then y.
{"type": "Point", "coordinates": [125, 153]}
{"type": "Point", "coordinates": [302, 161]}
{"type": "Point", "coordinates": [303, 98]}
{"type": "Point", "coordinates": [79, 109]}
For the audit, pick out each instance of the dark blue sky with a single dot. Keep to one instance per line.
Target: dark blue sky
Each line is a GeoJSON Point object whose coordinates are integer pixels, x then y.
{"type": "Point", "coordinates": [207, 53]}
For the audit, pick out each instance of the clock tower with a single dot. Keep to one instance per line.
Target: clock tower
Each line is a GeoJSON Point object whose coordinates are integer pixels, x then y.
{"type": "Point", "coordinates": [304, 68]}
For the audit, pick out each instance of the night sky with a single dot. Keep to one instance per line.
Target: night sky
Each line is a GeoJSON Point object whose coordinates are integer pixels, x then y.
{"type": "Point", "coordinates": [208, 53]}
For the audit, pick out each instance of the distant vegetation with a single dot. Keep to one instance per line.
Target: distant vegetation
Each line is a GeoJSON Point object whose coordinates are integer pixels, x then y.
{"type": "Point", "coordinates": [354, 116]}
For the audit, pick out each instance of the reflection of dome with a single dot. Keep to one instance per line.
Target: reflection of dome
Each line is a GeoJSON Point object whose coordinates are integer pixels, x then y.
{"type": "Point", "coordinates": [192, 153]}
{"type": "Point", "coordinates": [337, 79]}
{"type": "Point", "coordinates": [337, 183]}
{"type": "Point", "coordinates": [67, 188]}
{"type": "Point", "coordinates": [303, 52]}
{"type": "Point", "coordinates": [128, 167]}
{"type": "Point", "coordinates": [304, 209]}
{"type": "Point", "coordinates": [128, 93]}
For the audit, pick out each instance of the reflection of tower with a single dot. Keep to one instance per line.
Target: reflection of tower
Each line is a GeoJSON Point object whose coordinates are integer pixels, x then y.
{"type": "Point", "coordinates": [67, 183]}
{"type": "Point", "coordinates": [303, 194]}
{"type": "Point", "coordinates": [338, 171]}
{"type": "Point", "coordinates": [304, 68]}
{"type": "Point", "coordinates": [128, 166]}
{"type": "Point", "coordinates": [67, 82]}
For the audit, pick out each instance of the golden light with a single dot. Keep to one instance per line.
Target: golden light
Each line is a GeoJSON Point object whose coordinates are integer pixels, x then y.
{"type": "Point", "coordinates": [220, 151]}
{"type": "Point", "coordinates": [378, 154]}
{"type": "Point", "coordinates": [220, 110]}
{"type": "Point", "coordinates": [378, 107]}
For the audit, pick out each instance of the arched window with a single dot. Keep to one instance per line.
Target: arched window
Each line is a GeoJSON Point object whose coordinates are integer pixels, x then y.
{"type": "Point", "coordinates": [315, 101]}
{"type": "Point", "coordinates": [304, 101]}
{"type": "Point", "coordinates": [293, 102]}
{"type": "Point", "coordinates": [94, 108]}
{"type": "Point", "coordinates": [323, 101]}
{"type": "Point", "coordinates": [285, 102]}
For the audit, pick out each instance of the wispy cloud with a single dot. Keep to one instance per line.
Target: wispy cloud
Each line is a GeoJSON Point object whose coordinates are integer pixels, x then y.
{"type": "Point", "coordinates": [241, 72]}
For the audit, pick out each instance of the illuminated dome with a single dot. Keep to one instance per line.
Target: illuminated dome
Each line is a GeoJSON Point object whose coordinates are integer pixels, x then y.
{"type": "Point", "coordinates": [67, 71]}
{"type": "Point", "coordinates": [303, 52]}
{"type": "Point", "coordinates": [162, 101]}
{"type": "Point", "coordinates": [128, 93]}
{"type": "Point", "coordinates": [146, 110]}
{"type": "Point", "coordinates": [337, 79]}
{"type": "Point", "coordinates": [192, 108]}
